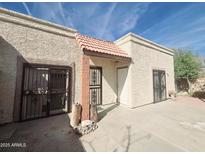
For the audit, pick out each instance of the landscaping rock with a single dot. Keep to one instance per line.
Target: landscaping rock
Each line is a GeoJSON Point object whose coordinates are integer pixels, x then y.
{"type": "Point", "coordinates": [198, 85]}
{"type": "Point", "coordinates": [86, 127]}
{"type": "Point", "coordinates": [198, 88]}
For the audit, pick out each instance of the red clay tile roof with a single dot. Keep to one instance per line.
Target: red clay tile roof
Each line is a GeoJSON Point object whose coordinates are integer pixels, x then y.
{"type": "Point", "coordinates": [100, 46]}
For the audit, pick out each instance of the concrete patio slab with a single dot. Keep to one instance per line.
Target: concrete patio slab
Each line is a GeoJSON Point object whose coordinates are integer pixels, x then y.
{"type": "Point", "coordinates": [47, 134]}
{"type": "Point", "coordinates": [172, 125]}
{"type": "Point", "coordinates": [7, 131]}
{"type": "Point", "coordinates": [169, 126]}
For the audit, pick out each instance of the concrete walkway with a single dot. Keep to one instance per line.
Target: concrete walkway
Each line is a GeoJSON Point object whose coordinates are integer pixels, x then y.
{"type": "Point", "coordinates": [177, 125]}
{"type": "Point", "coordinates": [47, 134]}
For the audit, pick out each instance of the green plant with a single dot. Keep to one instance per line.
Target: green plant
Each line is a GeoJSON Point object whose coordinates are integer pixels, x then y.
{"type": "Point", "coordinates": [186, 65]}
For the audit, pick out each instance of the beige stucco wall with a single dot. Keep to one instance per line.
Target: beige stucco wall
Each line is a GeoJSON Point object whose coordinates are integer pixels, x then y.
{"type": "Point", "coordinates": [125, 64]}
{"type": "Point", "coordinates": [109, 87]}
{"type": "Point", "coordinates": [145, 58]}
{"type": "Point", "coordinates": [24, 40]}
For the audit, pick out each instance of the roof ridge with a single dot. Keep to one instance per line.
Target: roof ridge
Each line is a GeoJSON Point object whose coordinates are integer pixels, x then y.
{"type": "Point", "coordinates": [35, 20]}
{"type": "Point", "coordinates": [110, 50]}
{"type": "Point", "coordinates": [94, 38]}
{"type": "Point", "coordinates": [97, 45]}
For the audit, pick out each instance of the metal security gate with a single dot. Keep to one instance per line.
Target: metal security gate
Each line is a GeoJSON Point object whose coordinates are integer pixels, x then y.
{"type": "Point", "coordinates": [96, 85]}
{"type": "Point", "coordinates": [159, 85]}
{"type": "Point", "coordinates": [46, 90]}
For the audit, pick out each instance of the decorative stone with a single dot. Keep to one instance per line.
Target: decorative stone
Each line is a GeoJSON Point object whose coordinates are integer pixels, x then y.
{"type": "Point", "coordinates": [87, 126]}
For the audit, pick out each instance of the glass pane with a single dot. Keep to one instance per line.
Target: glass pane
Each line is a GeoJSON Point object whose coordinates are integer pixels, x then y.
{"type": "Point", "coordinates": [159, 80]}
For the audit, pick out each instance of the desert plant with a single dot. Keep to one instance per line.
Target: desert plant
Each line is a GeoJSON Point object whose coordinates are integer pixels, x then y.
{"type": "Point", "coordinates": [187, 66]}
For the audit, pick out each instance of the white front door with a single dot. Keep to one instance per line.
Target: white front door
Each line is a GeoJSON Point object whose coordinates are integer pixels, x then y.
{"type": "Point", "coordinates": [123, 90]}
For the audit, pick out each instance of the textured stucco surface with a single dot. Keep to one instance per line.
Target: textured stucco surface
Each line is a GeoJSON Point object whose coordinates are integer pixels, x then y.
{"type": "Point", "coordinates": [33, 45]}
{"type": "Point", "coordinates": [109, 84]}
{"type": "Point", "coordinates": [7, 80]}
{"type": "Point", "coordinates": [131, 37]}
{"type": "Point", "coordinates": [144, 60]}
{"type": "Point", "coordinates": [126, 85]}
{"type": "Point", "coordinates": [109, 77]}
{"type": "Point", "coordinates": [23, 39]}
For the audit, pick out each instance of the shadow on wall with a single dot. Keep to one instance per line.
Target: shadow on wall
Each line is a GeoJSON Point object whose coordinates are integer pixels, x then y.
{"type": "Point", "coordinates": [121, 79]}
{"type": "Point", "coordinates": [11, 64]}
{"type": "Point", "coordinates": [48, 134]}
{"type": "Point", "coordinates": [115, 86]}
{"type": "Point", "coordinates": [106, 74]}
{"type": "Point", "coordinates": [103, 110]}
{"type": "Point", "coordinates": [11, 75]}
{"type": "Point", "coordinates": [109, 73]}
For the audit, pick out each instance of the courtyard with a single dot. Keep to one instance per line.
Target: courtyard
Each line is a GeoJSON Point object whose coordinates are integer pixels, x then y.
{"type": "Point", "coordinates": [172, 125]}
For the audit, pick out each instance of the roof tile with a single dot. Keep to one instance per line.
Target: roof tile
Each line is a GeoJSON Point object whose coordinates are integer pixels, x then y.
{"type": "Point", "coordinates": [100, 46]}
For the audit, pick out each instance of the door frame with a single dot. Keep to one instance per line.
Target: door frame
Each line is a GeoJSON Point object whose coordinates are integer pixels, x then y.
{"type": "Point", "coordinates": [121, 67]}
{"type": "Point", "coordinates": [158, 70]}
{"type": "Point", "coordinates": [101, 85]}
{"type": "Point", "coordinates": [68, 90]}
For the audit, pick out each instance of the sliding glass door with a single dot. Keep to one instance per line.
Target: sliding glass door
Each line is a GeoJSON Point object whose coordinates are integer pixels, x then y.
{"type": "Point", "coordinates": [159, 85]}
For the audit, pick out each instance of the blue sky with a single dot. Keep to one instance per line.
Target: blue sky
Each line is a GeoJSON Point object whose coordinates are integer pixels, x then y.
{"type": "Point", "coordinates": [175, 25]}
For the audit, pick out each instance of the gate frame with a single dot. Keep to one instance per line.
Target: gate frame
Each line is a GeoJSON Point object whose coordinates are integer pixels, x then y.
{"type": "Point", "coordinates": [101, 85]}
{"type": "Point", "coordinates": [49, 66]}
{"type": "Point", "coordinates": [158, 70]}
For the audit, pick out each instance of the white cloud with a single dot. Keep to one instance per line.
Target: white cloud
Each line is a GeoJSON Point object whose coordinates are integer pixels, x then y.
{"type": "Point", "coordinates": [27, 8]}
{"type": "Point", "coordinates": [132, 16]}
{"type": "Point", "coordinates": [106, 20]}
{"type": "Point", "coordinates": [53, 12]}
{"type": "Point", "coordinates": [61, 11]}
{"type": "Point", "coordinates": [119, 19]}
{"type": "Point", "coordinates": [101, 20]}
{"type": "Point", "coordinates": [181, 30]}
{"type": "Point", "coordinates": [65, 17]}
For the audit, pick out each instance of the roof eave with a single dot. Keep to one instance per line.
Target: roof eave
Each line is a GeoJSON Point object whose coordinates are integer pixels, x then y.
{"type": "Point", "coordinates": [36, 20]}
{"type": "Point", "coordinates": [105, 55]}
{"type": "Point", "coordinates": [131, 35]}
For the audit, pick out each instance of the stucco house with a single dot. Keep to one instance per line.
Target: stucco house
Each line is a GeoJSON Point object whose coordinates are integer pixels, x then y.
{"type": "Point", "coordinates": [45, 68]}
